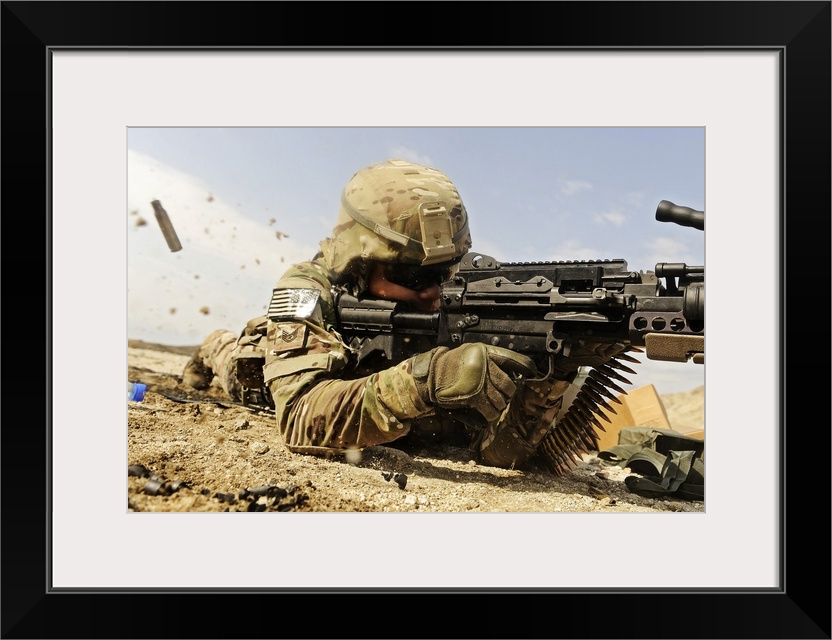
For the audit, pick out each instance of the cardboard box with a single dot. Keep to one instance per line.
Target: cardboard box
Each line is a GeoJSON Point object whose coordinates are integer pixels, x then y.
{"type": "Point", "coordinates": [692, 432]}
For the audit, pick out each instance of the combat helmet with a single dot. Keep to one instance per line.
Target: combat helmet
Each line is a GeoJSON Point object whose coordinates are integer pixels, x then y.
{"type": "Point", "coordinates": [398, 212]}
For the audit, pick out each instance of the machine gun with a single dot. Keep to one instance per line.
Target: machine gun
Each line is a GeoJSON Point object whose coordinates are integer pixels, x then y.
{"type": "Point", "coordinates": [545, 309]}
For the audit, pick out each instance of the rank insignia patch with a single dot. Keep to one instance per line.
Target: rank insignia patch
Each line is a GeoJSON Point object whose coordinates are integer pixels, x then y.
{"type": "Point", "coordinates": [286, 336]}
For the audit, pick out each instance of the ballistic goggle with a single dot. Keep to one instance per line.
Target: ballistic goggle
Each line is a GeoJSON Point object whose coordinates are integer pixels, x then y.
{"type": "Point", "coordinates": [417, 277]}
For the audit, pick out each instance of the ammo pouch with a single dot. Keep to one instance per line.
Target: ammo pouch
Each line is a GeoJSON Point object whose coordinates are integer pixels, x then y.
{"type": "Point", "coordinates": [668, 462]}
{"type": "Point", "coordinates": [249, 358]}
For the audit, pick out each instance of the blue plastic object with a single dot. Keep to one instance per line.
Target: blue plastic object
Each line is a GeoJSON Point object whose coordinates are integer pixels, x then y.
{"type": "Point", "coordinates": [135, 391]}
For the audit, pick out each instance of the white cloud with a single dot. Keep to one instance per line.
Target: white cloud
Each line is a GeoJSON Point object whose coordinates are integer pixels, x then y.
{"type": "Point", "coordinates": [571, 187]}
{"type": "Point", "coordinates": [409, 154]}
{"type": "Point", "coordinates": [634, 199]}
{"type": "Point", "coordinates": [664, 249]}
{"type": "Point", "coordinates": [613, 216]}
{"type": "Point", "coordinates": [574, 250]}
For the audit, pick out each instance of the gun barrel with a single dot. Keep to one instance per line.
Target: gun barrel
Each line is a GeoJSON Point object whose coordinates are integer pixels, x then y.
{"type": "Point", "coordinates": [677, 269]}
{"type": "Point", "coordinates": [684, 216]}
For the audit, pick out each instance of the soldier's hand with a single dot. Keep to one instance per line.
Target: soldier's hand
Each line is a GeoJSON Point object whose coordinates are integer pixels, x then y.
{"type": "Point", "coordinates": [472, 376]}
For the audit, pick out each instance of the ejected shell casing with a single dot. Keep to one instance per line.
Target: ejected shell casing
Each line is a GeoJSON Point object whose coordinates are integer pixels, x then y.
{"type": "Point", "coordinates": [167, 227]}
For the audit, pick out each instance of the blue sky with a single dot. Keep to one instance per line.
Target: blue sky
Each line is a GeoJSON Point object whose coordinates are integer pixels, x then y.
{"type": "Point", "coordinates": [247, 202]}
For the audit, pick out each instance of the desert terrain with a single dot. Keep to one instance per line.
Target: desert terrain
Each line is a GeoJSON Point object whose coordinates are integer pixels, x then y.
{"type": "Point", "coordinates": [197, 451]}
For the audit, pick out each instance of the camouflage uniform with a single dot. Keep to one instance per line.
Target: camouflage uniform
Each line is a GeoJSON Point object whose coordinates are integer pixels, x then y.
{"type": "Point", "coordinates": [325, 398]}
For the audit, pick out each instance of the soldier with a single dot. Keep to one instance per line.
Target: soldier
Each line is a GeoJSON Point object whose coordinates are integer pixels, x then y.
{"type": "Point", "coordinates": [401, 230]}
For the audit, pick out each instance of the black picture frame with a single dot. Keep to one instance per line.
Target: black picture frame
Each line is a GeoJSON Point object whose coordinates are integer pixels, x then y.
{"type": "Point", "coordinates": [800, 608]}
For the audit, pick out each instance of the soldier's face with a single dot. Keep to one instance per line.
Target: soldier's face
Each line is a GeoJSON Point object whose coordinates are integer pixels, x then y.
{"type": "Point", "coordinates": [426, 299]}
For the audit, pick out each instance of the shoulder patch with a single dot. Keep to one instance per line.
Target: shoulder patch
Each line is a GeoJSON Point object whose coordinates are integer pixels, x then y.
{"type": "Point", "coordinates": [293, 303]}
{"type": "Point", "coordinates": [286, 336]}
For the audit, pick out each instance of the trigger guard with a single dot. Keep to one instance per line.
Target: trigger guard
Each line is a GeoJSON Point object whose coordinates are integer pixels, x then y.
{"type": "Point", "coordinates": [548, 373]}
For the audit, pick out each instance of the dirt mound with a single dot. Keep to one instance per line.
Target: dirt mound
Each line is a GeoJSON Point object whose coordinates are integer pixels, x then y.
{"type": "Point", "coordinates": [164, 348]}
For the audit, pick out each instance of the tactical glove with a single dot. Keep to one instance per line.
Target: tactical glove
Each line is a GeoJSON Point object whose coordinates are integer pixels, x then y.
{"type": "Point", "coordinates": [471, 376]}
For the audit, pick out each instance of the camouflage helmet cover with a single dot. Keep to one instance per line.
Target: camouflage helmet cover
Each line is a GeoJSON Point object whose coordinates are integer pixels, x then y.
{"type": "Point", "coordinates": [398, 212]}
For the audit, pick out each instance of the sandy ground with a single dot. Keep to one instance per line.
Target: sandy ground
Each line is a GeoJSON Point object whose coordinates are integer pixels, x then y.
{"type": "Point", "coordinates": [196, 451]}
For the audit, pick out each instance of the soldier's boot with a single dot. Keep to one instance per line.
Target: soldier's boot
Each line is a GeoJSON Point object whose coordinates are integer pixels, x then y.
{"type": "Point", "coordinates": [196, 374]}
{"type": "Point", "coordinates": [210, 357]}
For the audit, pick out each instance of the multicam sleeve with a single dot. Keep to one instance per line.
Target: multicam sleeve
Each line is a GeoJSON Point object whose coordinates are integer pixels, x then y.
{"type": "Point", "coordinates": [317, 410]}
{"type": "Point", "coordinates": [318, 407]}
